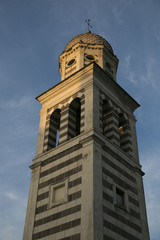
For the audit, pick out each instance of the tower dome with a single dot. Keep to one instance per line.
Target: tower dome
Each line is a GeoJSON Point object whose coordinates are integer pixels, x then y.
{"type": "Point", "coordinates": [86, 48]}
{"type": "Point", "coordinates": [88, 38]}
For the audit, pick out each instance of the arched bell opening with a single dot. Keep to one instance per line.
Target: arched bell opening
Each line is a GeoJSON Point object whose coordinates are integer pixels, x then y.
{"type": "Point", "coordinates": [74, 118]}
{"type": "Point", "coordinates": [54, 126]}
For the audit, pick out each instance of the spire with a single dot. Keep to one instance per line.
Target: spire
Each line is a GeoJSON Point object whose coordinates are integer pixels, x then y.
{"type": "Point", "coordinates": [89, 26]}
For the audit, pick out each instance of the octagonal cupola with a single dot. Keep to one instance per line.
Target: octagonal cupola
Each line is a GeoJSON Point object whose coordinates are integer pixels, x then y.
{"type": "Point", "coordinates": [84, 49]}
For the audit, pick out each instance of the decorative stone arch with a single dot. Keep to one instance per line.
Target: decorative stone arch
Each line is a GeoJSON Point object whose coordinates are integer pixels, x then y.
{"type": "Point", "coordinates": [80, 95]}
{"type": "Point", "coordinates": [76, 95]}
{"type": "Point", "coordinates": [70, 100]}
{"type": "Point", "coordinates": [52, 109]}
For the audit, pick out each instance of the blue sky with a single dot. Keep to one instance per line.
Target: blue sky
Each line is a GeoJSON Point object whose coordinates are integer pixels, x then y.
{"type": "Point", "coordinates": [33, 34]}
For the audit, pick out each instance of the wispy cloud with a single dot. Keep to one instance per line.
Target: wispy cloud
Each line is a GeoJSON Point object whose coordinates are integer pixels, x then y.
{"type": "Point", "coordinates": [118, 10]}
{"type": "Point", "coordinates": [127, 70]}
{"type": "Point", "coordinates": [11, 195]}
{"type": "Point", "coordinates": [146, 76]}
{"type": "Point", "coordinates": [117, 13]}
{"type": "Point", "coordinates": [151, 166]}
{"type": "Point", "coordinates": [151, 73]}
{"type": "Point", "coordinates": [11, 104]}
{"type": "Point", "coordinates": [12, 217]}
{"type": "Point", "coordinates": [152, 163]}
{"type": "Point", "coordinates": [21, 160]}
{"type": "Point", "coordinates": [153, 208]}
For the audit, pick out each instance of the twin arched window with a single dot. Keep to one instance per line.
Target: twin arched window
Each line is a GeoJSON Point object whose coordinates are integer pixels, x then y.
{"type": "Point", "coordinates": [116, 127]}
{"type": "Point", "coordinates": [73, 123]}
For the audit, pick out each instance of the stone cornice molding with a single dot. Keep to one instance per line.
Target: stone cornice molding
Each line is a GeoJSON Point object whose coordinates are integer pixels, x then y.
{"type": "Point", "coordinates": [113, 85]}
{"type": "Point", "coordinates": [35, 166]}
{"type": "Point", "coordinates": [139, 172]}
{"type": "Point", "coordinates": [79, 77]}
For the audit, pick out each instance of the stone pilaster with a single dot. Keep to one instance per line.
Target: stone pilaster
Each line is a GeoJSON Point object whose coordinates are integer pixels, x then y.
{"type": "Point", "coordinates": [32, 201]}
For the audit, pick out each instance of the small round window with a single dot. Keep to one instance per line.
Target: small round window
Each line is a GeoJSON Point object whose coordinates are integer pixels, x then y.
{"type": "Point", "coordinates": [90, 57]}
{"type": "Point", "coordinates": [71, 62]}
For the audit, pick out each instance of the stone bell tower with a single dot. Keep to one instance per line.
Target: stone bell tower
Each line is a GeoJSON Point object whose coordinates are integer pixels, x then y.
{"type": "Point", "coordinates": [86, 179]}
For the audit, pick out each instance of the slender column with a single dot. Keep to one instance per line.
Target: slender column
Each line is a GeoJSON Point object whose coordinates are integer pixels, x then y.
{"type": "Point", "coordinates": [142, 205]}
{"type": "Point", "coordinates": [46, 135]}
{"type": "Point", "coordinates": [32, 201]}
{"type": "Point", "coordinates": [97, 113]}
{"type": "Point", "coordinates": [41, 133]}
{"type": "Point", "coordinates": [134, 138]}
{"type": "Point", "coordinates": [89, 107]}
{"type": "Point", "coordinates": [87, 218]}
{"type": "Point", "coordinates": [97, 190]}
{"type": "Point", "coordinates": [63, 132]}
{"type": "Point", "coordinates": [82, 121]}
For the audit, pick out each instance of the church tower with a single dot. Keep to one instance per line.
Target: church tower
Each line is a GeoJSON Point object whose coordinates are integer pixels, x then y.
{"type": "Point", "coordinates": [86, 179]}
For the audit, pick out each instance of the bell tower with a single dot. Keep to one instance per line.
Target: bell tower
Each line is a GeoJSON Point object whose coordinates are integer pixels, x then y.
{"type": "Point", "coordinates": [86, 179]}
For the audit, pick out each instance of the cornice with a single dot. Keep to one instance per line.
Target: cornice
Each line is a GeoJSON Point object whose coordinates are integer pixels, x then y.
{"type": "Point", "coordinates": [35, 165]}
{"type": "Point", "coordinates": [70, 81]}
{"type": "Point", "coordinates": [114, 85]}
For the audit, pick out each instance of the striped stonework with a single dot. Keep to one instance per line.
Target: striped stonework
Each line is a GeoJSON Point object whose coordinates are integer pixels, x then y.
{"type": "Point", "coordinates": [114, 124]}
{"type": "Point", "coordinates": [52, 128]}
{"type": "Point", "coordinates": [66, 122]}
{"type": "Point", "coordinates": [120, 222]}
{"type": "Point", "coordinates": [110, 124]}
{"type": "Point", "coordinates": [109, 120]}
{"type": "Point", "coordinates": [61, 221]}
{"type": "Point", "coordinates": [82, 119]}
{"type": "Point", "coordinates": [125, 134]}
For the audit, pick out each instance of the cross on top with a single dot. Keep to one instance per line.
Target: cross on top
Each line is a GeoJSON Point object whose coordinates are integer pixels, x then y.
{"type": "Point", "coordinates": [88, 22]}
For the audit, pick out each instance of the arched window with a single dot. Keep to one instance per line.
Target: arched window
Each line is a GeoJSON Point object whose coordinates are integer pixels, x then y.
{"type": "Point", "coordinates": [124, 133]}
{"type": "Point", "coordinates": [107, 120]}
{"type": "Point", "coordinates": [53, 137]}
{"type": "Point", "coordinates": [74, 119]}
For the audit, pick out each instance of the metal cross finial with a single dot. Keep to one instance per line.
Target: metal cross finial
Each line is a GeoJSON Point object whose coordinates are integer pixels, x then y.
{"type": "Point", "coordinates": [88, 22]}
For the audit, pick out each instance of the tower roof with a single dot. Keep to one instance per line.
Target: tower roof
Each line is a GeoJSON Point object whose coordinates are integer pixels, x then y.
{"type": "Point", "coordinates": [89, 38]}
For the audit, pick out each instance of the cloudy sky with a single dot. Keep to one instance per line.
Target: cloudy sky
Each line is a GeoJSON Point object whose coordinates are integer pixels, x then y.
{"type": "Point", "coordinates": [33, 33]}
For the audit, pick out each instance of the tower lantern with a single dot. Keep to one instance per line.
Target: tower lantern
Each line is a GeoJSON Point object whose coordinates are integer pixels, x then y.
{"type": "Point", "coordinates": [86, 48]}
{"type": "Point", "coordinates": [86, 179]}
